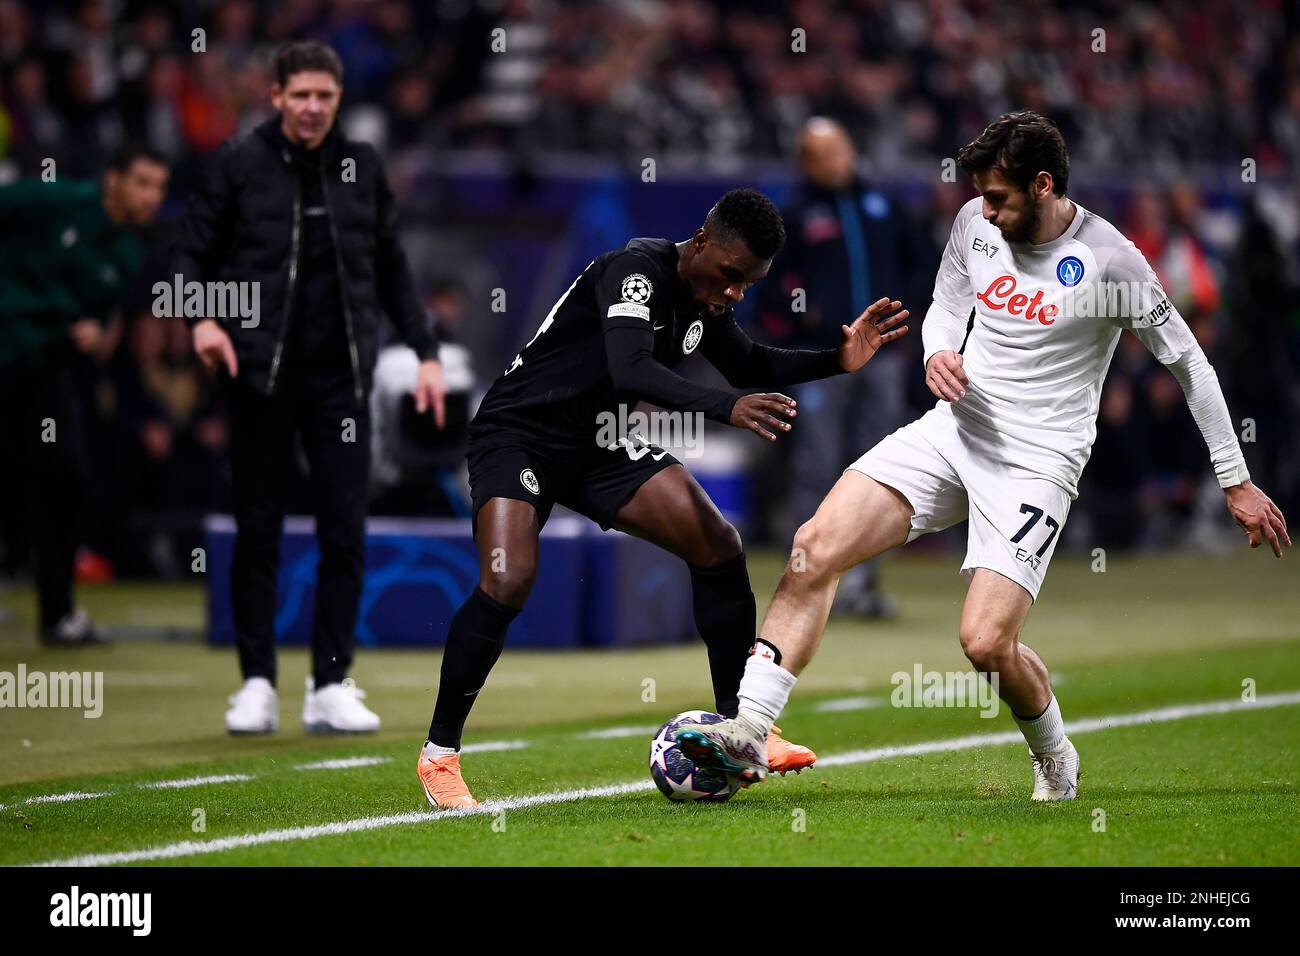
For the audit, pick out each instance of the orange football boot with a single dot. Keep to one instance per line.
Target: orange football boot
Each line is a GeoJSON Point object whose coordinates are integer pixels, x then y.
{"type": "Point", "coordinates": [783, 756]}
{"type": "Point", "coordinates": [443, 785]}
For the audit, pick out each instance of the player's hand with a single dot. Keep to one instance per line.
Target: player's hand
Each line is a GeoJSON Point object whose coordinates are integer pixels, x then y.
{"type": "Point", "coordinates": [869, 331]}
{"type": "Point", "coordinates": [944, 376]}
{"type": "Point", "coordinates": [431, 391]}
{"type": "Point", "coordinates": [86, 334]}
{"type": "Point", "coordinates": [1256, 515]}
{"type": "Point", "coordinates": [213, 347]}
{"type": "Point", "coordinates": [760, 411]}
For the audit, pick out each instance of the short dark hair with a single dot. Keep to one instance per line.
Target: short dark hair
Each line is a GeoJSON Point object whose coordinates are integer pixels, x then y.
{"type": "Point", "coordinates": [125, 156]}
{"type": "Point", "coordinates": [307, 56]}
{"type": "Point", "coordinates": [748, 215]}
{"type": "Point", "coordinates": [1021, 145]}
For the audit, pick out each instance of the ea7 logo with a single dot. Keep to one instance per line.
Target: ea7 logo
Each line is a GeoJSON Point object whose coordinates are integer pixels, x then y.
{"type": "Point", "coordinates": [987, 248]}
{"type": "Point", "coordinates": [1028, 557]}
{"type": "Point", "coordinates": [103, 909]}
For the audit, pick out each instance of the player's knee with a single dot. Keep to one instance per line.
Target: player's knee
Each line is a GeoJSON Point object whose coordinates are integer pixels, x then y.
{"type": "Point", "coordinates": [987, 647]}
{"type": "Point", "coordinates": [508, 582]}
{"type": "Point", "coordinates": [813, 556]}
{"type": "Point", "coordinates": [720, 542]}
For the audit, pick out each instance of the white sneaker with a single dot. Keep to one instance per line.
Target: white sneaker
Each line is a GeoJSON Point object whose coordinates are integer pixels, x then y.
{"type": "Point", "coordinates": [337, 709]}
{"type": "Point", "coordinates": [254, 708]}
{"type": "Point", "coordinates": [728, 746]}
{"type": "Point", "coordinates": [1056, 775]}
{"type": "Point", "coordinates": [74, 629]}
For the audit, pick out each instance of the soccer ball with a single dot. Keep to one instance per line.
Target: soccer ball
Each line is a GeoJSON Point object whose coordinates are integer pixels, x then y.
{"type": "Point", "coordinates": [674, 774]}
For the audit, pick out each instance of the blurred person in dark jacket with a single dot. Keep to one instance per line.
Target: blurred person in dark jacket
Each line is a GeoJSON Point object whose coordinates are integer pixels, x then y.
{"type": "Point", "coordinates": [302, 221]}
{"type": "Point", "coordinates": [418, 469]}
{"type": "Point", "coordinates": [847, 242]}
{"type": "Point", "coordinates": [1261, 354]}
{"type": "Point", "coordinates": [170, 444]}
{"type": "Point", "coordinates": [1115, 491]}
{"type": "Point", "coordinates": [1175, 460]}
{"type": "Point", "coordinates": [68, 253]}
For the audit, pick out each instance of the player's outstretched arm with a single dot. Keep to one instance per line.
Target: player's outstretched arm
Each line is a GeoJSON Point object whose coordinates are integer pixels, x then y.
{"type": "Point", "coordinates": [1165, 333]}
{"type": "Point", "coordinates": [748, 364]}
{"type": "Point", "coordinates": [1256, 515]}
{"type": "Point", "coordinates": [877, 326]}
{"type": "Point", "coordinates": [1253, 510]}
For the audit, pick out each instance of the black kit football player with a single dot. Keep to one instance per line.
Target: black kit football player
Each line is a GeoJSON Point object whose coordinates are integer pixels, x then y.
{"type": "Point", "coordinates": [540, 437]}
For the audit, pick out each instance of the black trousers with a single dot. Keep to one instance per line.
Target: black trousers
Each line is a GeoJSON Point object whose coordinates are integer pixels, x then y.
{"type": "Point", "coordinates": [41, 417]}
{"type": "Point", "coordinates": [319, 408]}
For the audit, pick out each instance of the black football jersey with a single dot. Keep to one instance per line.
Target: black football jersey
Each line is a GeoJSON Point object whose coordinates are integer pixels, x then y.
{"type": "Point", "coordinates": [560, 381]}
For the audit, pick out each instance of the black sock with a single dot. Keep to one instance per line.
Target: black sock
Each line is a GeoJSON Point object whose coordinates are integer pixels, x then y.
{"type": "Point", "coordinates": [474, 642]}
{"type": "Point", "coordinates": [725, 618]}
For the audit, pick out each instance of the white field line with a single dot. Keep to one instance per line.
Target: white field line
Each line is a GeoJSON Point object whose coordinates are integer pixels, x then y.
{"type": "Point", "coordinates": [492, 746]}
{"type": "Point", "coordinates": [1071, 727]}
{"type": "Point", "coordinates": [613, 733]}
{"type": "Point", "coordinates": [195, 781]}
{"type": "Point", "coordinates": [55, 798]}
{"type": "Point", "coordinates": [343, 763]}
{"type": "Point", "coordinates": [840, 704]}
{"type": "Point", "coordinates": [64, 797]}
{"type": "Point", "coordinates": [197, 848]}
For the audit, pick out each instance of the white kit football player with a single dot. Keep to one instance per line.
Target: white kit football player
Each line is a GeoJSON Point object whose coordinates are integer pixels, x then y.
{"type": "Point", "coordinates": [1031, 297]}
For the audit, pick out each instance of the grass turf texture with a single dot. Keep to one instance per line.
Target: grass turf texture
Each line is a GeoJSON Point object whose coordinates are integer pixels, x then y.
{"type": "Point", "coordinates": [1148, 633]}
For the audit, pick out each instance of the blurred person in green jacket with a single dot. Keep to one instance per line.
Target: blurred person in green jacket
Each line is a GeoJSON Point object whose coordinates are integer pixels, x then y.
{"type": "Point", "coordinates": [68, 252]}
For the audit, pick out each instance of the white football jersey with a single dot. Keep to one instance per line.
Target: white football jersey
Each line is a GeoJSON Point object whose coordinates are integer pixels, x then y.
{"type": "Point", "coordinates": [1045, 324]}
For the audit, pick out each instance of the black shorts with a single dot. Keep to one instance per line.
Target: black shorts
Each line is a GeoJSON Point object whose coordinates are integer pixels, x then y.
{"type": "Point", "coordinates": [507, 463]}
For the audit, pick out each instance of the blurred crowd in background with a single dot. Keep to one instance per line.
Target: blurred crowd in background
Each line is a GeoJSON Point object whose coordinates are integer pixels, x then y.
{"type": "Point", "coordinates": [1161, 85]}
{"type": "Point", "coordinates": [1183, 121]}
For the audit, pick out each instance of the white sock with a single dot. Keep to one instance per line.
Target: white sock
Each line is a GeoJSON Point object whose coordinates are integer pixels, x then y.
{"type": "Point", "coordinates": [1044, 733]}
{"type": "Point", "coordinates": [433, 751]}
{"type": "Point", "coordinates": [764, 690]}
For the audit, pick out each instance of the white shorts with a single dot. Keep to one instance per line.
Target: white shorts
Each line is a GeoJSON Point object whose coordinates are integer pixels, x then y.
{"type": "Point", "coordinates": [947, 473]}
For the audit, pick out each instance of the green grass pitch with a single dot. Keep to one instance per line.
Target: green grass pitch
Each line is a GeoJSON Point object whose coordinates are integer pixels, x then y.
{"type": "Point", "coordinates": [1198, 786]}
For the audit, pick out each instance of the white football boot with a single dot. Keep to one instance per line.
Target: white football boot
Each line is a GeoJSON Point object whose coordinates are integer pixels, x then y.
{"type": "Point", "coordinates": [337, 709]}
{"type": "Point", "coordinates": [728, 746]}
{"type": "Point", "coordinates": [74, 629]}
{"type": "Point", "coordinates": [254, 708]}
{"type": "Point", "coordinates": [1056, 774]}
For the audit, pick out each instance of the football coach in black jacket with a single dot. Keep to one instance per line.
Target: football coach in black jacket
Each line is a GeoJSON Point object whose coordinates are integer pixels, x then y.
{"type": "Point", "coordinates": [304, 221]}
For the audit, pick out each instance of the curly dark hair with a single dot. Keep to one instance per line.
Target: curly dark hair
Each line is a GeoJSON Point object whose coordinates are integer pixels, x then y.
{"type": "Point", "coordinates": [748, 215]}
{"type": "Point", "coordinates": [1021, 145]}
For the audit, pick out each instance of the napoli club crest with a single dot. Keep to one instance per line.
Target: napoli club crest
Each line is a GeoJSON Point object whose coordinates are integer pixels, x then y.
{"type": "Point", "coordinates": [1070, 271]}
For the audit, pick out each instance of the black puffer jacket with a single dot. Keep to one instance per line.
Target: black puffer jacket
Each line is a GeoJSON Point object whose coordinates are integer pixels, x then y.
{"type": "Point", "coordinates": [244, 224]}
